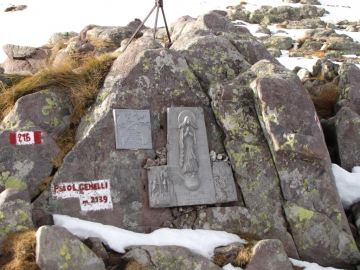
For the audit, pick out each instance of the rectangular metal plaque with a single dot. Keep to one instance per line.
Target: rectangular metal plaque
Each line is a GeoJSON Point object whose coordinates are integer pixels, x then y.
{"type": "Point", "coordinates": [188, 178]}
{"type": "Point", "coordinates": [132, 129]}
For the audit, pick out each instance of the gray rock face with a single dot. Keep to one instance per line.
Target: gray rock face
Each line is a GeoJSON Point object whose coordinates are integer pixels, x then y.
{"type": "Point", "coordinates": [304, 168]}
{"type": "Point", "coordinates": [62, 36]}
{"type": "Point", "coordinates": [326, 69]}
{"type": "Point", "coordinates": [311, 46]}
{"type": "Point", "coordinates": [347, 125]}
{"type": "Point", "coordinates": [348, 82]}
{"type": "Point", "coordinates": [249, 47]}
{"type": "Point", "coordinates": [210, 57]}
{"type": "Point", "coordinates": [233, 105]}
{"type": "Point", "coordinates": [48, 109]}
{"type": "Point", "coordinates": [79, 46]}
{"type": "Point", "coordinates": [24, 60]}
{"type": "Point", "coordinates": [310, 2]}
{"type": "Point", "coordinates": [57, 248]}
{"type": "Point", "coordinates": [306, 24]}
{"type": "Point", "coordinates": [169, 257]}
{"type": "Point", "coordinates": [278, 42]}
{"type": "Point", "coordinates": [15, 212]}
{"type": "Point", "coordinates": [107, 33]}
{"type": "Point", "coordinates": [237, 12]}
{"type": "Point", "coordinates": [182, 24]}
{"type": "Point", "coordinates": [345, 47]}
{"type": "Point", "coordinates": [269, 254]}
{"type": "Point", "coordinates": [25, 166]}
{"type": "Point", "coordinates": [147, 77]}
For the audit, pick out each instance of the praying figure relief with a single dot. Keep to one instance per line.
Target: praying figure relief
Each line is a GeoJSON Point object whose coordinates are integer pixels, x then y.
{"type": "Point", "coordinates": [188, 160]}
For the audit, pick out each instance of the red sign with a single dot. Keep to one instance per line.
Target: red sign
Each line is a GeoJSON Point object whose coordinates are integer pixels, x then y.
{"type": "Point", "coordinates": [25, 138]}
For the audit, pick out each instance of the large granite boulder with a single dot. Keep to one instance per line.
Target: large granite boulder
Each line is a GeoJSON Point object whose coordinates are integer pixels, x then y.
{"type": "Point", "coordinates": [15, 212]}
{"type": "Point", "coordinates": [57, 248]}
{"type": "Point", "coordinates": [169, 257]}
{"type": "Point", "coordinates": [249, 47]}
{"type": "Point", "coordinates": [145, 76]}
{"type": "Point", "coordinates": [312, 205]}
{"type": "Point", "coordinates": [211, 58]}
{"type": "Point", "coordinates": [48, 109]}
{"type": "Point", "coordinates": [25, 60]}
{"type": "Point", "coordinates": [278, 42]}
{"type": "Point", "coordinates": [26, 166]}
{"type": "Point", "coordinates": [233, 105]}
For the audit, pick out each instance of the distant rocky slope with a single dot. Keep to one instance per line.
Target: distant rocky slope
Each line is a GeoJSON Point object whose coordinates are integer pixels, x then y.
{"type": "Point", "coordinates": [259, 116]}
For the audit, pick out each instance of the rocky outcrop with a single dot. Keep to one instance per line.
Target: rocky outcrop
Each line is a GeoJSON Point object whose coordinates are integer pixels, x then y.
{"type": "Point", "coordinates": [57, 248]}
{"type": "Point", "coordinates": [15, 212]}
{"type": "Point", "coordinates": [303, 165]}
{"type": "Point", "coordinates": [48, 109]}
{"type": "Point", "coordinates": [269, 254]}
{"type": "Point", "coordinates": [153, 257]}
{"type": "Point", "coordinates": [24, 60]}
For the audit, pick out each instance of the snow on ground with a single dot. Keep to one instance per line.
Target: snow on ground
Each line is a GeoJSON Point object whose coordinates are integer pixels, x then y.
{"type": "Point", "coordinates": [348, 185]}
{"type": "Point", "coordinates": [202, 242]}
{"type": "Point", "coordinates": [310, 266]}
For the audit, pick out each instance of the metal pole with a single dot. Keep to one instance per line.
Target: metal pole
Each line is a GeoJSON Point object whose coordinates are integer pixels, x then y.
{"type": "Point", "coordinates": [166, 27]}
{"type": "Point", "coordinates": [156, 19]}
{"type": "Point", "coordinates": [138, 29]}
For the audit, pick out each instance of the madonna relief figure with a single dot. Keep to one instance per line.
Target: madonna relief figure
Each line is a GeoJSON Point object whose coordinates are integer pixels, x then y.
{"type": "Point", "coordinates": [189, 162]}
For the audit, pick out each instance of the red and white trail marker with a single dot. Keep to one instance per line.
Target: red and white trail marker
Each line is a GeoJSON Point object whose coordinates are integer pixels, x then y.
{"type": "Point", "coordinates": [25, 138]}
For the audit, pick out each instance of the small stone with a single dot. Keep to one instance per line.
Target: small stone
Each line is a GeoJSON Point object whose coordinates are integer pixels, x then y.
{"type": "Point", "coordinates": [149, 163]}
{"type": "Point", "coordinates": [212, 155]}
{"type": "Point", "coordinates": [219, 157]}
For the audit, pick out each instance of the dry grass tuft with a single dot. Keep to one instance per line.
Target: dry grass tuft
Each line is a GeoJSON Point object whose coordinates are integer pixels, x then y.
{"type": "Point", "coordinates": [65, 142]}
{"type": "Point", "coordinates": [45, 182]}
{"type": "Point", "coordinates": [244, 256]}
{"type": "Point", "coordinates": [318, 54]}
{"type": "Point", "coordinates": [282, 25]}
{"type": "Point", "coordinates": [101, 43]}
{"type": "Point", "coordinates": [133, 265]}
{"type": "Point", "coordinates": [19, 247]}
{"type": "Point", "coordinates": [81, 85]}
{"type": "Point", "coordinates": [302, 40]}
{"type": "Point", "coordinates": [219, 259]}
{"type": "Point", "coordinates": [297, 267]}
{"type": "Point", "coordinates": [325, 99]}
{"type": "Point", "coordinates": [243, 3]}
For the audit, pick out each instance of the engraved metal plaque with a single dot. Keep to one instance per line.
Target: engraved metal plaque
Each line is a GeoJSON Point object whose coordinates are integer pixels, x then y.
{"type": "Point", "coordinates": [132, 129]}
{"type": "Point", "coordinates": [224, 182]}
{"type": "Point", "coordinates": [188, 157]}
{"type": "Point", "coordinates": [189, 178]}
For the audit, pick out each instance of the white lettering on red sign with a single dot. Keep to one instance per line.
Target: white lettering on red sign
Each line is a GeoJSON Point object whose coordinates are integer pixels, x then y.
{"type": "Point", "coordinates": [93, 195]}
{"type": "Point", "coordinates": [25, 138]}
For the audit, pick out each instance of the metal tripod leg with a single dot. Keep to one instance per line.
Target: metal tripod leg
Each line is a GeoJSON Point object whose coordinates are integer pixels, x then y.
{"type": "Point", "coordinates": [166, 27]}
{"type": "Point", "coordinates": [138, 29]}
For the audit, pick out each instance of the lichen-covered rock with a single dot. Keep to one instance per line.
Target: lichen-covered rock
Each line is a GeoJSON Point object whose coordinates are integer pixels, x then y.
{"type": "Point", "coordinates": [48, 109]}
{"type": "Point", "coordinates": [311, 46]}
{"type": "Point", "coordinates": [184, 23]}
{"type": "Point", "coordinates": [233, 105]}
{"type": "Point", "coordinates": [326, 69]}
{"type": "Point", "coordinates": [344, 46]}
{"type": "Point", "coordinates": [169, 257]}
{"type": "Point", "coordinates": [79, 46]}
{"type": "Point", "coordinates": [236, 219]}
{"type": "Point", "coordinates": [107, 33]}
{"type": "Point", "coordinates": [269, 254]}
{"type": "Point", "coordinates": [347, 125]}
{"type": "Point", "coordinates": [229, 252]}
{"type": "Point", "coordinates": [145, 76]}
{"type": "Point", "coordinates": [211, 58]}
{"type": "Point", "coordinates": [25, 166]}
{"type": "Point", "coordinates": [15, 212]}
{"type": "Point", "coordinates": [237, 12]}
{"type": "Point", "coordinates": [249, 47]}
{"type": "Point", "coordinates": [62, 36]}
{"type": "Point", "coordinates": [57, 248]}
{"type": "Point", "coordinates": [278, 42]}
{"type": "Point", "coordinates": [24, 60]}
{"type": "Point", "coordinates": [310, 2]}
{"type": "Point", "coordinates": [213, 21]}
{"type": "Point", "coordinates": [295, 138]}
{"type": "Point", "coordinates": [313, 231]}
{"type": "Point", "coordinates": [306, 24]}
